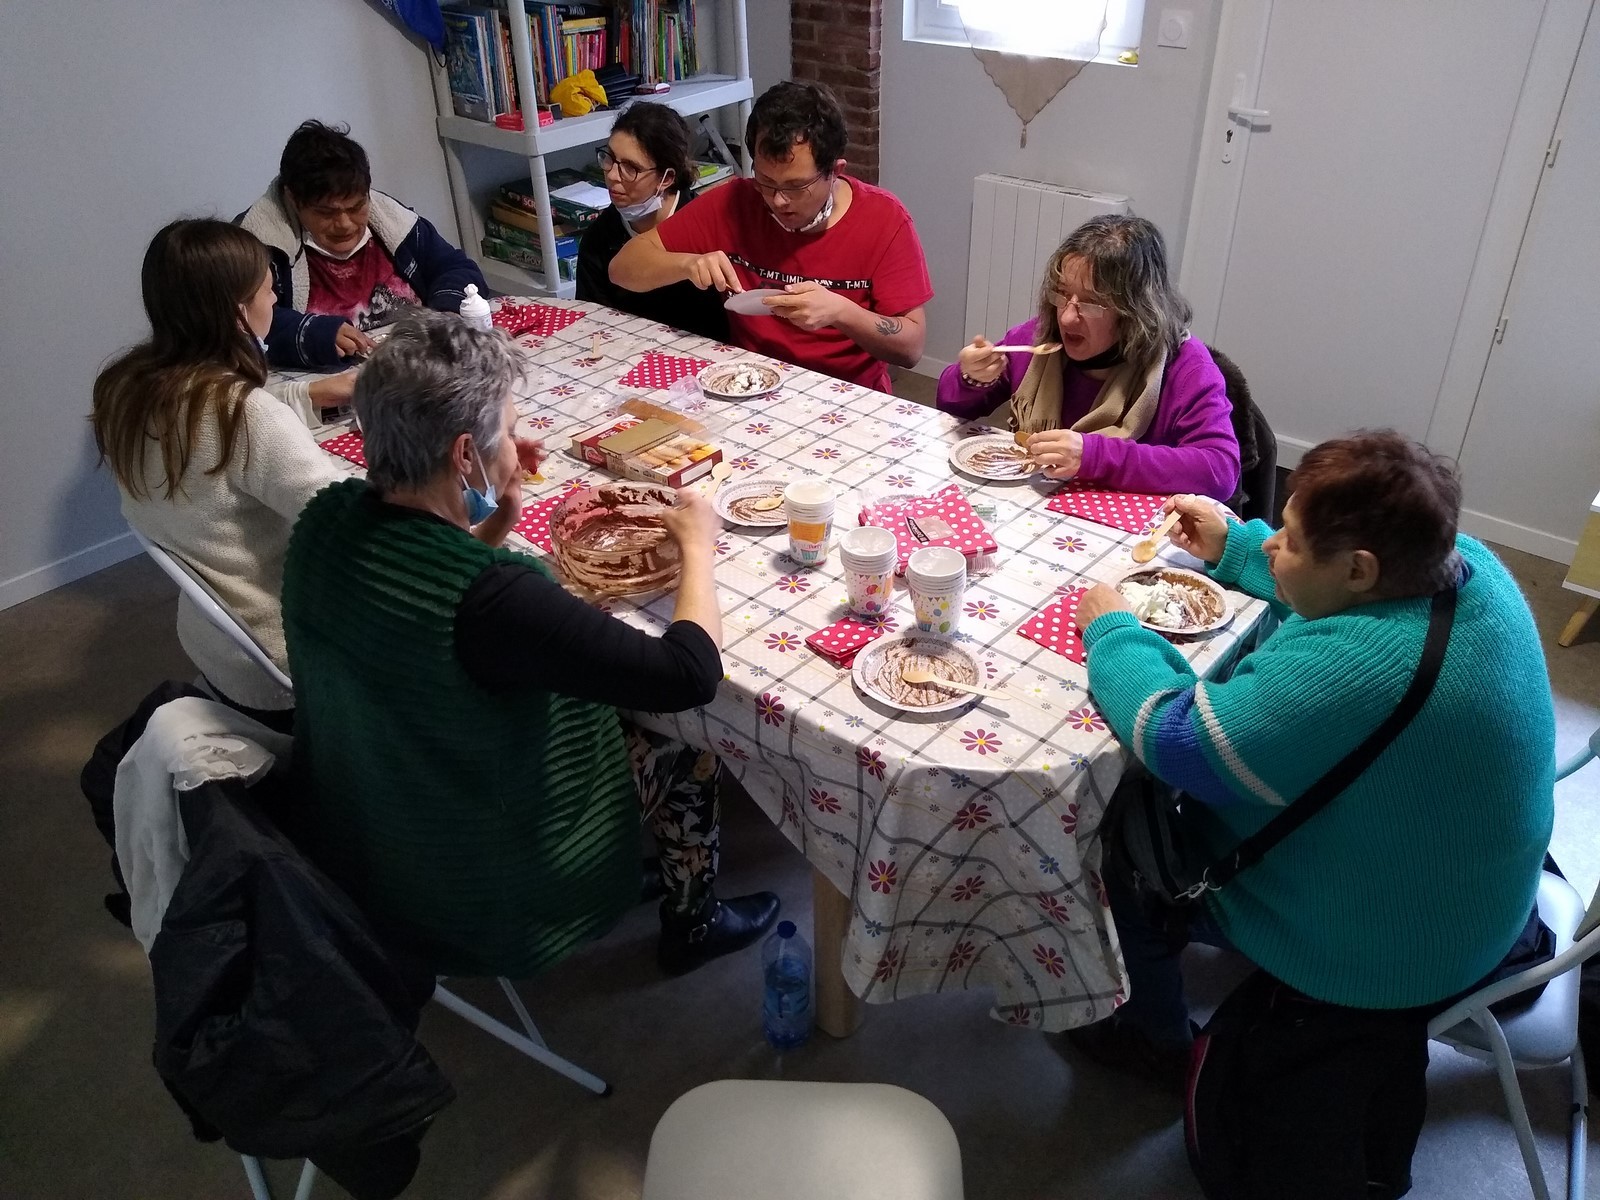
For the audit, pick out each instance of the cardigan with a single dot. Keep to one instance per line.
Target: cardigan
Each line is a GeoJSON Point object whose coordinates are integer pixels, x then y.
{"type": "Point", "coordinates": [1412, 883]}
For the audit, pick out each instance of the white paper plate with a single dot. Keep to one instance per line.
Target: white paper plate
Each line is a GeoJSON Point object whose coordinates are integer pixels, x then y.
{"type": "Point", "coordinates": [870, 661]}
{"type": "Point", "coordinates": [714, 380]}
{"type": "Point", "coordinates": [773, 518]}
{"type": "Point", "coordinates": [1195, 579]}
{"type": "Point", "coordinates": [963, 452]}
{"type": "Point", "coordinates": [748, 304]}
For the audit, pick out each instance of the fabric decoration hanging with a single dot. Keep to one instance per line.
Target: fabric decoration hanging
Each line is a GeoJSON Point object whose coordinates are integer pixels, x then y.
{"type": "Point", "coordinates": [1063, 35]}
{"type": "Point", "coordinates": [422, 17]}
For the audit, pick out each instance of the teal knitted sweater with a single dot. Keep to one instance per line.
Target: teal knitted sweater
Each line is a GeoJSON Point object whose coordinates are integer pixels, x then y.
{"type": "Point", "coordinates": [494, 833]}
{"type": "Point", "coordinates": [1412, 884]}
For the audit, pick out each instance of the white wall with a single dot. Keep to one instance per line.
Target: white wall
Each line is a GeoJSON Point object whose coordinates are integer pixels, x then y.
{"type": "Point", "coordinates": [1128, 130]}
{"type": "Point", "coordinates": [770, 54]}
{"type": "Point", "coordinates": [120, 117]}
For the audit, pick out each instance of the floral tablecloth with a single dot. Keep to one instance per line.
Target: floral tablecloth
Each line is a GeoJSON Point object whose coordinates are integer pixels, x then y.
{"type": "Point", "coordinates": [965, 843]}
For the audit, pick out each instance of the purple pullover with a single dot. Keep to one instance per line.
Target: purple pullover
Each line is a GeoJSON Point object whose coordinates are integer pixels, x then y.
{"type": "Point", "coordinates": [1189, 447]}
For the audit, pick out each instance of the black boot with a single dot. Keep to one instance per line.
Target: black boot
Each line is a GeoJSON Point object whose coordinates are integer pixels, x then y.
{"type": "Point", "coordinates": [652, 884]}
{"type": "Point", "coordinates": [719, 927]}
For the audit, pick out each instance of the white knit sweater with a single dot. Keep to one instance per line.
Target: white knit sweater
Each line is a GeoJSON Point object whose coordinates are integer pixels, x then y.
{"type": "Point", "coordinates": [233, 528]}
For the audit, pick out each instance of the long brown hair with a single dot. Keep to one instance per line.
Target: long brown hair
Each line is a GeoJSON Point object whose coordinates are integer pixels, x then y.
{"type": "Point", "coordinates": [198, 358]}
{"type": "Point", "coordinates": [1127, 259]}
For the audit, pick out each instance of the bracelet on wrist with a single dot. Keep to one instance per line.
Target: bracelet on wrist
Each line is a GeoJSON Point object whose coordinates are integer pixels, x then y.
{"type": "Point", "coordinates": [979, 383]}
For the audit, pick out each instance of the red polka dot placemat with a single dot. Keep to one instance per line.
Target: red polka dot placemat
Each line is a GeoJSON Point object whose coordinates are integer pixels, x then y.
{"type": "Point", "coordinates": [348, 446]}
{"type": "Point", "coordinates": [839, 642]}
{"type": "Point", "coordinates": [942, 519]}
{"type": "Point", "coordinates": [1134, 512]}
{"type": "Point", "coordinates": [534, 524]}
{"type": "Point", "coordinates": [540, 320]}
{"type": "Point", "coordinates": [1056, 627]}
{"type": "Point", "coordinates": [657, 370]}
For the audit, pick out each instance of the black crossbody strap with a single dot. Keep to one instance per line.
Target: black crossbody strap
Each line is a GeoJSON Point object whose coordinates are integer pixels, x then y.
{"type": "Point", "coordinates": [1348, 769]}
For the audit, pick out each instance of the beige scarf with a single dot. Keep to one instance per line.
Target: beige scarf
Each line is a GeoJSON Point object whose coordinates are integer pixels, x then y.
{"type": "Point", "coordinates": [1124, 408]}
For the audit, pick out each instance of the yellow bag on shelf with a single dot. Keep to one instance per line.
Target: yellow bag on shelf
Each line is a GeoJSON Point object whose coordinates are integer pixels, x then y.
{"type": "Point", "coordinates": [578, 94]}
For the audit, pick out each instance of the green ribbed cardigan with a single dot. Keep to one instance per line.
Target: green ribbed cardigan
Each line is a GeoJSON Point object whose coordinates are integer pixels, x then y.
{"type": "Point", "coordinates": [495, 833]}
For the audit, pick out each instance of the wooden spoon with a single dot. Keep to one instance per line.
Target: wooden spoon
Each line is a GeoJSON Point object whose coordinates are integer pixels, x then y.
{"type": "Point", "coordinates": [921, 675]}
{"type": "Point", "coordinates": [1047, 348]}
{"type": "Point", "coordinates": [1145, 550]}
{"type": "Point", "coordinates": [719, 475]}
{"type": "Point", "coordinates": [768, 503]}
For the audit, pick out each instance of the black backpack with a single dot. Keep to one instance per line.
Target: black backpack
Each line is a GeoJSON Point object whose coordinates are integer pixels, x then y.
{"type": "Point", "coordinates": [1289, 1096]}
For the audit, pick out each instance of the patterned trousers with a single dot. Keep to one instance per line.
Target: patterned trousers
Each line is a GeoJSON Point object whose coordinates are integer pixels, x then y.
{"type": "Point", "coordinates": [678, 792]}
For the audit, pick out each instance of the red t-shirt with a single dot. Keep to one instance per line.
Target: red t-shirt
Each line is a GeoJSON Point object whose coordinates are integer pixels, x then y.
{"type": "Point", "coordinates": [364, 289]}
{"type": "Point", "coordinates": [871, 255]}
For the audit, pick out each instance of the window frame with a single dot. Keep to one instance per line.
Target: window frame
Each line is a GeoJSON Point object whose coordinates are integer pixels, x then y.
{"type": "Point", "coordinates": [938, 23]}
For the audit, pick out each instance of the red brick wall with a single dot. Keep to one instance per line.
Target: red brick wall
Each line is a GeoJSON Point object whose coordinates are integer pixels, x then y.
{"type": "Point", "coordinates": [838, 43]}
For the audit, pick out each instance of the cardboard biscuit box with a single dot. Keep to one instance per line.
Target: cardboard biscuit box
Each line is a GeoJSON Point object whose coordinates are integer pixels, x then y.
{"type": "Point", "coordinates": [666, 449]}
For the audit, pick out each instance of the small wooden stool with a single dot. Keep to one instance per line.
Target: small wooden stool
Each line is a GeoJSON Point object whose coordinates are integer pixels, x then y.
{"type": "Point", "coordinates": [758, 1139]}
{"type": "Point", "coordinates": [1584, 576]}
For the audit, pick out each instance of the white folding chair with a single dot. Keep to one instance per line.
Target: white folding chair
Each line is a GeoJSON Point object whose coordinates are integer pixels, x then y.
{"type": "Point", "coordinates": [213, 608]}
{"type": "Point", "coordinates": [1545, 1034]}
{"type": "Point", "coordinates": [763, 1139]}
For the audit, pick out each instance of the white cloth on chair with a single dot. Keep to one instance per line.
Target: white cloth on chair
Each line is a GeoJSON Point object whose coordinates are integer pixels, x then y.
{"type": "Point", "coordinates": [186, 743]}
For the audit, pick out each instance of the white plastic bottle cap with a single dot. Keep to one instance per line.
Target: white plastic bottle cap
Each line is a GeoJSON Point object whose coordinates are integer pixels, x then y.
{"type": "Point", "coordinates": [475, 309]}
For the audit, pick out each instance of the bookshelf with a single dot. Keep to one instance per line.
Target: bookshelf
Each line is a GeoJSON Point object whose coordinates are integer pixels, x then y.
{"type": "Point", "coordinates": [700, 94]}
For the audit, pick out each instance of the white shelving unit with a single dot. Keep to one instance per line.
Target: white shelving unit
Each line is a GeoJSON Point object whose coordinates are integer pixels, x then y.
{"type": "Point", "coordinates": [691, 97]}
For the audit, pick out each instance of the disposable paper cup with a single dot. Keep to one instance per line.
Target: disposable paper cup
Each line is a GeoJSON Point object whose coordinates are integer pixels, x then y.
{"type": "Point", "coordinates": [808, 503]}
{"type": "Point", "coordinates": [937, 579]}
{"type": "Point", "coordinates": [868, 556]}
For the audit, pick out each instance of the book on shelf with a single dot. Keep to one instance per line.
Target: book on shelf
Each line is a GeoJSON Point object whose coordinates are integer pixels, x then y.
{"type": "Point", "coordinates": [468, 60]}
{"type": "Point", "coordinates": [571, 209]}
{"type": "Point", "coordinates": [529, 258]}
{"type": "Point", "coordinates": [520, 235]}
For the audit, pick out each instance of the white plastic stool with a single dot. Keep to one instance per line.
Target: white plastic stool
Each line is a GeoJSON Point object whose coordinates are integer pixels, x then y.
{"type": "Point", "coordinates": [754, 1139]}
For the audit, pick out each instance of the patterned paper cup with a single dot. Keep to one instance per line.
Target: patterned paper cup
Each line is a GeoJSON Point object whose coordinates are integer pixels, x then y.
{"type": "Point", "coordinates": [808, 503]}
{"type": "Point", "coordinates": [937, 578]}
{"type": "Point", "coordinates": [868, 556]}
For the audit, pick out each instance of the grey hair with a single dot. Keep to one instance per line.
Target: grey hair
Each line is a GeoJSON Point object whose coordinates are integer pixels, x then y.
{"type": "Point", "coordinates": [433, 379]}
{"type": "Point", "coordinates": [1127, 259]}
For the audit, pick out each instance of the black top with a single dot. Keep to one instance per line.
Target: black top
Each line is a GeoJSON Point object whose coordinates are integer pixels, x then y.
{"type": "Point", "coordinates": [681, 305]}
{"type": "Point", "coordinates": [517, 628]}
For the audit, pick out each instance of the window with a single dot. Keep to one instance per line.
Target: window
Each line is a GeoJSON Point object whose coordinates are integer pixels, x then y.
{"type": "Point", "coordinates": [1042, 28]}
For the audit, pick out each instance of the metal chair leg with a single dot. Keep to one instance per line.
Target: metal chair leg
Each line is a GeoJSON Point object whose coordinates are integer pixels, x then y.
{"type": "Point", "coordinates": [308, 1176]}
{"type": "Point", "coordinates": [521, 1010]}
{"type": "Point", "coordinates": [517, 1041]}
{"type": "Point", "coordinates": [258, 1180]}
{"type": "Point", "coordinates": [1507, 1070]}
{"type": "Point", "coordinates": [1577, 1146]}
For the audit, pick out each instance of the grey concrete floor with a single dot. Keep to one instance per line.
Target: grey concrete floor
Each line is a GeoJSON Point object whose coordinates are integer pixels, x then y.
{"type": "Point", "coordinates": [83, 1115]}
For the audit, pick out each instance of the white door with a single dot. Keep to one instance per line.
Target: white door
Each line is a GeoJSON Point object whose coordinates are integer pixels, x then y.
{"type": "Point", "coordinates": [1361, 203]}
{"type": "Point", "coordinates": [1531, 461]}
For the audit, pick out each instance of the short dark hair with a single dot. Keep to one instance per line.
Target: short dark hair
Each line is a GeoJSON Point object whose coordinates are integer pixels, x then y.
{"type": "Point", "coordinates": [789, 113]}
{"type": "Point", "coordinates": [1379, 491]}
{"type": "Point", "coordinates": [322, 162]}
{"type": "Point", "coordinates": [664, 134]}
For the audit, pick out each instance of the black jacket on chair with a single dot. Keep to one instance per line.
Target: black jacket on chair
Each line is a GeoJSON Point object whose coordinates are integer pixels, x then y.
{"type": "Point", "coordinates": [281, 1021]}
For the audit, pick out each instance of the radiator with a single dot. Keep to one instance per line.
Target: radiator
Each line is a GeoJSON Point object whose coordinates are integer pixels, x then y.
{"type": "Point", "coordinates": [1016, 226]}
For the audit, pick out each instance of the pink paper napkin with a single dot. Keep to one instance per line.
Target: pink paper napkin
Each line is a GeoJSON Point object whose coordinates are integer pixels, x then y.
{"type": "Point", "coordinates": [657, 370]}
{"type": "Point", "coordinates": [839, 642]}
{"type": "Point", "coordinates": [1056, 627]}
{"type": "Point", "coordinates": [942, 519]}
{"type": "Point", "coordinates": [540, 320]}
{"type": "Point", "coordinates": [347, 446]}
{"type": "Point", "coordinates": [1134, 512]}
{"type": "Point", "coordinates": [534, 524]}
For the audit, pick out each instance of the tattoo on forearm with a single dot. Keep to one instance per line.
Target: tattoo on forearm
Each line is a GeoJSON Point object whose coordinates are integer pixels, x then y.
{"type": "Point", "coordinates": [889, 326]}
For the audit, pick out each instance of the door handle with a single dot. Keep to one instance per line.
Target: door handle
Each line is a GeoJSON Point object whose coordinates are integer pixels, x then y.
{"type": "Point", "coordinates": [1248, 114]}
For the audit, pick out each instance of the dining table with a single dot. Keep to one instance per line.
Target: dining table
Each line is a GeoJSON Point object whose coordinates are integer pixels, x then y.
{"type": "Point", "coordinates": [951, 851]}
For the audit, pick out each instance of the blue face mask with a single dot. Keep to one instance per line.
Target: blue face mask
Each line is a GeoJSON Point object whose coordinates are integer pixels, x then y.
{"type": "Point", "coordinates": [480, 505]}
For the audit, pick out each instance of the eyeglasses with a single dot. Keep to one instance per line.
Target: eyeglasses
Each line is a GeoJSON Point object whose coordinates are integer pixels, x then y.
{"type": "Point", "coordinates": [626, 170]}
{"type": "Point", "coordinates": [789, 193]}
{"type": "Point", "coordinates": [1086, 310]}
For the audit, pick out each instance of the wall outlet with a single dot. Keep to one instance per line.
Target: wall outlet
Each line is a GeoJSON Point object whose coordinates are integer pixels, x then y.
{"type": "Point", "coordinates": [1174, 28]}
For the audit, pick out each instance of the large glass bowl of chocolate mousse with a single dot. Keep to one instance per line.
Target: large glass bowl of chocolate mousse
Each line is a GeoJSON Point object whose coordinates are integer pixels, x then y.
{"type": "Point", "coordinates": [610, 539]}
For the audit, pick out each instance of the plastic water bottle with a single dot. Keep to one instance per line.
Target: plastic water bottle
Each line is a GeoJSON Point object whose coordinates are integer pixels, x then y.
{"type": "Point", "coordinates": [475, 310]}
{"type": "Point", "coordinates": [786, 1014]}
